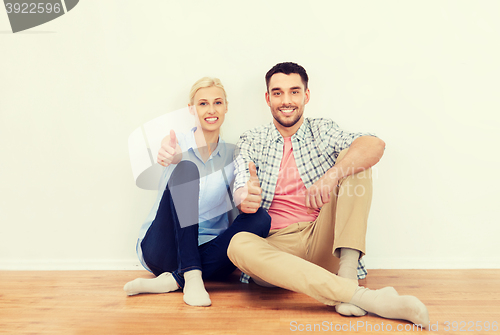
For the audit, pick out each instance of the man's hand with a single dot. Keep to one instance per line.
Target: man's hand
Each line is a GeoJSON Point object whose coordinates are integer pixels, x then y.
{"type": "Point", "coordinates": [320, 192]}
{"type": "Point", "coordinates": [170, 151]}
{"type": "Point", "coordinates": [250, 194]}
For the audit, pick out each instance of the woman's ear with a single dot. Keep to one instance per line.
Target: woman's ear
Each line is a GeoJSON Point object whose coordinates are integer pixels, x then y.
{"type": "Point", "coordinates": [192, 109]}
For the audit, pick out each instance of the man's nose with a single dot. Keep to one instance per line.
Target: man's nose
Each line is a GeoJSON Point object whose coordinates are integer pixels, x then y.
{"type": "Point", "coordinates": [286, 99]}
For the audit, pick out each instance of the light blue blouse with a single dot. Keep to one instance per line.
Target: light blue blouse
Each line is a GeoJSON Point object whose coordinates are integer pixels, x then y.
{"type": "Point", "coordinates": [216, 176]}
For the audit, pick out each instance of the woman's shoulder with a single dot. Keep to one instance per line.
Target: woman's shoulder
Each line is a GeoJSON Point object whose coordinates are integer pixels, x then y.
{"type": "Point", "coordinates": [182, 136]}
{"type": "Point", "coordinates": [227, 150]}
{"type": "Point", "coordinates": [185, 140]}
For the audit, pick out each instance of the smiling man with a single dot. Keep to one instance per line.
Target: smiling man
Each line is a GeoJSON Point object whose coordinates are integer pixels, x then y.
{"type": "Point", "coordinates": [314, 179]}
{"type": "Point", "coordinates": [287, 99]}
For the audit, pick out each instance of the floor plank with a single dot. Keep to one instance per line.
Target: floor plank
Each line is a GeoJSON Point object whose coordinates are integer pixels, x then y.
{"type": "Point", "coordinates": [93, 302]}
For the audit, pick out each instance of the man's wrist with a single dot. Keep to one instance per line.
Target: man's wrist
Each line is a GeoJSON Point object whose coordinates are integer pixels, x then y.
{"type": "Point", "coordinates": [237, 196]}
{"type": "Point", "coordinates": [333, 176]}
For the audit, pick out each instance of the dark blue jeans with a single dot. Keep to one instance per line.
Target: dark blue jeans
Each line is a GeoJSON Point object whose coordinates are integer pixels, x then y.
{"type": "Point", "coordinates": [170, 246]}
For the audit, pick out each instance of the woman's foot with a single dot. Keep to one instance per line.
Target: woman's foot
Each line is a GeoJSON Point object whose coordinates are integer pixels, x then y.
{"type": "Point", "coordinates": [194, 289]}
{"type": "Point", "coordinates": [162, 284]}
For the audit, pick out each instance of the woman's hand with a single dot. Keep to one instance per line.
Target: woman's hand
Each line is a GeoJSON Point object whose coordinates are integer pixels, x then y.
{"type": "Point", "coordinates": [170, 151]}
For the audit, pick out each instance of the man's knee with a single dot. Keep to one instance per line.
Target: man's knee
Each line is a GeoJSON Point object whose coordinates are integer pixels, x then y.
{"type": "Point", "coordinates": [342, 154]}
{"type": "Point", "coordinates": [357, 185]}
{"type": "Point", "coordinates": [238, 244]}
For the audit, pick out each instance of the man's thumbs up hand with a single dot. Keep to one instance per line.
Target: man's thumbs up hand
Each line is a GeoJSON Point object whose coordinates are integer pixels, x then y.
{"type": "Point", "coordinates": [250, 194]}
{"type": "Point", "coordinates": [254, 179]}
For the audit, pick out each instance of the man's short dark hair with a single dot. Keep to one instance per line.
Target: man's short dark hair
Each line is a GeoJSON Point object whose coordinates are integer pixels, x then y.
{"type": "Point", "coordinates": [287, 68]}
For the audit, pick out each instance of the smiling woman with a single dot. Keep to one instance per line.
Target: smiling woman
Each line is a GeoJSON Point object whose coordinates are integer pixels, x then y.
{"type": "Point", "coordinates": [208, 101]}
{"type": "Point", "coordinates": [185, 237]}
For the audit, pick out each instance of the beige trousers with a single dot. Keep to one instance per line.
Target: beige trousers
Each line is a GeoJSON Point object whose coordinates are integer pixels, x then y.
{"type": "Point", "coordinates": [303, 257]}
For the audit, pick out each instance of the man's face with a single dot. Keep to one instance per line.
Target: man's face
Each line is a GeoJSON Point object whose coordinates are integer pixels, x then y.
{"type": "Point", "coordinates": [287, 99]}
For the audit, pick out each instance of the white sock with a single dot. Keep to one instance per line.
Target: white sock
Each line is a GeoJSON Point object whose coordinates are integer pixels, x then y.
{"type": "Point", "coordinates": [162, 284]}
{"type": "Point", "coordinates": [349, 269]}
{"type": "Point", "coordinates": [387, 303]}
{"type": "Point", "coordinates": [194, 289]}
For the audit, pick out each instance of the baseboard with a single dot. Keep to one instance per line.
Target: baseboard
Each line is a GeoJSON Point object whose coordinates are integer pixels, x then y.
{"type": "Point", "coordinates": [434, 263]}
{"type": "Point", "coordinates": [371, 263]}
{"type": "Point", "coordinates": [68, 265]}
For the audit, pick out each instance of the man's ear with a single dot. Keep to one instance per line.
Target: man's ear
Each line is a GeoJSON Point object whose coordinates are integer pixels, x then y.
{"type": "Point", "coordinates": [308, 96]}
{"type": "Point", "coordinates": [267, 99]}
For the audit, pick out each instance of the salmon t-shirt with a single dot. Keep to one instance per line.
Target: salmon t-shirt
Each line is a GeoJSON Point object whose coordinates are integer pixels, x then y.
{"type": "Point", "coordinates": [288, 204]}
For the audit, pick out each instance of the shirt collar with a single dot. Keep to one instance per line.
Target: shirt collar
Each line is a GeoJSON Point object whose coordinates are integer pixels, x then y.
{"type": "Point", "coordinates": [191, 144]}
{"type": "Point", "coordinates": [275, 134]}
{"type": "Point", "coordinates": [300, 134]}
{"type": "Point", "coordinates": [302, 131]}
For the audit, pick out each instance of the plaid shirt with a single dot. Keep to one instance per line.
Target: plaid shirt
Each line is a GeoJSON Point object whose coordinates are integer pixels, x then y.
{"type": "Point", "coordinates": [316, 146]}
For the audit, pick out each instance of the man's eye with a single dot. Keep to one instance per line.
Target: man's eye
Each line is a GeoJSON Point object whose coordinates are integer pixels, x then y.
{"type": "Point", "coordinates": [277, 93]}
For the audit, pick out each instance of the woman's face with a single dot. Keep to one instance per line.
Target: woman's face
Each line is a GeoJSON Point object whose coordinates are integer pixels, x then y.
{"type": "Point", "coordinates": [211, 108]}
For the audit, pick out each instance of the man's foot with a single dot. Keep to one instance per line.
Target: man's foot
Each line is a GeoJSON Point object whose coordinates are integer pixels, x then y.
{"type": "Point", "coordinates": [195, 293]}
{"type": "Point", "coordinates": [349, 269]}
{"type": "Point", "coordinates": [387, 303]}
{"type": "Point", "coordinates": [261, 282]}
{"type": "Point", "coordinates": [347, 309]}
{"type": "Point", "coordinates": [162, 284]}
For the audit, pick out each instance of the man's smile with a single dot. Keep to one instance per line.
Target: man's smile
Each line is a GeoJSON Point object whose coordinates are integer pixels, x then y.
{"type": "Point", "coordinates": [287, 111]}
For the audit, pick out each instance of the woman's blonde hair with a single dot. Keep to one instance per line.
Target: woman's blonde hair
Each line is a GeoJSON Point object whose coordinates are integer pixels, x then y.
{"type": "Point", "coordinates": [204, 83]}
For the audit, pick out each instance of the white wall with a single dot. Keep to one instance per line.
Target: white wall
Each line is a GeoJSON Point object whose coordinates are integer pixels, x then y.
{"type": "Point", "coordinates": [423, 75]}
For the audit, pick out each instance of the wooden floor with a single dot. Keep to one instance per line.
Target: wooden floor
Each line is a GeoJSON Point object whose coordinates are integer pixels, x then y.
{"type": "Point", "coordinates": [93, 302]}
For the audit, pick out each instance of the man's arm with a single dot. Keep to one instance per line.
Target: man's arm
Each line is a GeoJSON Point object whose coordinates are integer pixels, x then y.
{"type": "Point", "coordinates": [363, 153]}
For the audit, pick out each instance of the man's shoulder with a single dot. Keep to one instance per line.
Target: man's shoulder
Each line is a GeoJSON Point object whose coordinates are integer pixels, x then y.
{"type": "Point", "coordinates": [321, 125]}
{"type": "Point", "coordinates": [259, 132]}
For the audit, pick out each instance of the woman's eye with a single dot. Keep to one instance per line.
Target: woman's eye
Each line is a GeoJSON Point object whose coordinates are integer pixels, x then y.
{"type": "Point", "coordinates": [203, 103]}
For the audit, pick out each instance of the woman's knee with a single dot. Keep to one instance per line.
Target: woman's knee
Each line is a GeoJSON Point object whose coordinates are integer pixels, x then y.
{"type": "Point", "coordinates": [184, 190]}
{"type": "Point", "coordinates": [184, 172]}
{"type": "Point", "coordinates": [263, 222]}
{"type": "Point", "coordinates": [258, 223]}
